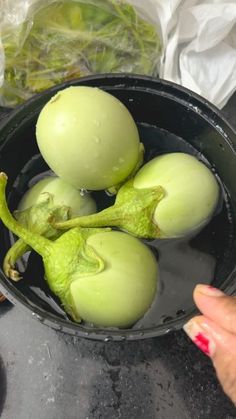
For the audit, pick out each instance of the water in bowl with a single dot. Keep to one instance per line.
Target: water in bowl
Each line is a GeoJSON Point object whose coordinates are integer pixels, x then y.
{"type": "Point", "coordinates": [203, 257]}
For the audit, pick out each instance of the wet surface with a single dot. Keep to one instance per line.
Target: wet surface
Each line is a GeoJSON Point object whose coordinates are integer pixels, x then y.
{"type": "Point", "coordinates": [48, 375]}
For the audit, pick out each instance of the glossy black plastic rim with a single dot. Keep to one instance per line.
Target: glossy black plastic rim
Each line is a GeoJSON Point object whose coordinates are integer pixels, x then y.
{"type": "Point", "coordinates": [157, 86]}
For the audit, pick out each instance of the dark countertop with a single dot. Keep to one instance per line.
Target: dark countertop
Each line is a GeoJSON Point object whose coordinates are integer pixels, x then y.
{"type": "Point", "coordinates": [48, 375]}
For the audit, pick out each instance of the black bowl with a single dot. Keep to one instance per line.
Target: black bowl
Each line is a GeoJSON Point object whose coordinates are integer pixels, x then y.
{"type": "Point", "coordinates": [170, 118]}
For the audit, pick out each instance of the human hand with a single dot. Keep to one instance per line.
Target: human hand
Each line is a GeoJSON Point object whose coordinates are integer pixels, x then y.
{"type": "Point", "coordinates": [215, 333]}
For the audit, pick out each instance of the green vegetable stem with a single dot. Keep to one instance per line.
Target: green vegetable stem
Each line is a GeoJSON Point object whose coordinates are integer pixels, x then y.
{"type": "Point", "coordinates": [35, 219]}
{"type": "Point", "coordinates": [170, 196]}
{"type": "Point", "coordinates": [50, 197]}
{"type": "Point", "coordinates": [105, 277]}
{"type": "Point", "coordinates": [133, 212]}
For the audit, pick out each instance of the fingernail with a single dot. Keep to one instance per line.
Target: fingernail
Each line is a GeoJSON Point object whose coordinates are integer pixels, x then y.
{"type": "Point", "coordinates": [200, 338]}
{"type": "Point", "coordinates": [209, 290]}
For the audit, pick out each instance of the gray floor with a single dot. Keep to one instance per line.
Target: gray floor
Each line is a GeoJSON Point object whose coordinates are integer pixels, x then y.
{"type": "Point", "coordinates": [47, 375]}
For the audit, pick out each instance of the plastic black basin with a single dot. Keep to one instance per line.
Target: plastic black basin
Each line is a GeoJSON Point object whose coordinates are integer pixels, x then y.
{"type": "Point", "coordinates": [195, 126]}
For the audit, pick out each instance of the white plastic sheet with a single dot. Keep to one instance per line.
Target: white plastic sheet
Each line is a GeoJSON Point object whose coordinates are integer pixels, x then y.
{"type": "Point", "coordinates": [199, 44]}
{"type": "Point", "coordinates": [200, 52]}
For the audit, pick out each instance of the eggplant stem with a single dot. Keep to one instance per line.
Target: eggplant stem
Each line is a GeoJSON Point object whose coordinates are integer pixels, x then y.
{"type": "Point", "coordinates": [40, 244]}
{"type": "Point", "coordinates": [108, 217]}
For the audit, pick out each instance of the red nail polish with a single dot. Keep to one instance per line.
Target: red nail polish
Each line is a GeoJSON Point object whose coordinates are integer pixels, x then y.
{"type": "Point", "coordinates": [202, 343]}
{"type": "Point", "coordinates": [202, 340]}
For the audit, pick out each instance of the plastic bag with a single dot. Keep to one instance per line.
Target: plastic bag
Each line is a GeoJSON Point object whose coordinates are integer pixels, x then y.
{"type": "Point", "coordinates": [199, 45]}
{"type": "Point", "coordinates": [201, 50]}
{"type": "Point", "coordinates": [45, 43]}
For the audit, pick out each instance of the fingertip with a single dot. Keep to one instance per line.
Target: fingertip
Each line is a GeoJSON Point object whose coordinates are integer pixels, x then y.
{"type": "Point", "coordinates": [207, 290]}
{"type": "Point", "coordinates": [217, 306]}
{"type": "Point", "coordinates": [219, 344]}
{"type": "Point", "coordinates": [197, 293]}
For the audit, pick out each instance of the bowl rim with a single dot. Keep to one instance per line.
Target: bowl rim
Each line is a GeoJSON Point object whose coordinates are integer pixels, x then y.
{"type": "Point", "coordinates": [121, 78]}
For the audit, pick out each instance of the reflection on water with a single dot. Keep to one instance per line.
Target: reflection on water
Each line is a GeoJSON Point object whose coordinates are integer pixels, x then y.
{"type": "Point", "coordinates": [181, 268]}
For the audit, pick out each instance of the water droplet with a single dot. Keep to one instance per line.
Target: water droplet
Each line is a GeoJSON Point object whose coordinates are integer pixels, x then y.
{"type": "Point", "coordinates": [180, 312]}
{"type": "Point", "coordinates": [59, 328]}
{"type": "Point", "coordinates": [108, 338]}
{"type": "Point", "coordinates": [121, 160]}
{"type": "Point", "coordinates": [97, 123]}
{"type": "Point", "coordinates": [131, 100]}
{"type": "Point", "coordinates": [39, 318]}
{"type": "Point", "coordinates": [166, 319]}
{"type": "Point", "coordinates": [109, 193]}
{"type": "Point", "coordinates": [55, 98]}
{"type": "Point", "coordinates": [97, 140]}
{"type": "Point", "coordinates": [115, 169]}
{"type": "Point", "coordinates": [83, 192]}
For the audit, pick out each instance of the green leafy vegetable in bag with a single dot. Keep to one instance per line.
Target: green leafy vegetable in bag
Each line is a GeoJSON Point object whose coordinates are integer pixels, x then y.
{"type": "Point", "coordinates": [69, 39]}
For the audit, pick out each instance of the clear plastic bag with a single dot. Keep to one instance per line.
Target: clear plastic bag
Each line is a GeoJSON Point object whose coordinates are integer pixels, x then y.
{"type": "Point", "coordinates": [45, 43]}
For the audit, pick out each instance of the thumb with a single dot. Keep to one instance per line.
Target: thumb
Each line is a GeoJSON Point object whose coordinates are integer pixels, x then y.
{"type": "Point", "coordinates": [217, 306]}
{"type": "Point", "coordinates": [215, 333]}
{"type": "Point", "coordinates": [220, 346]}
